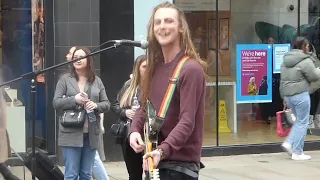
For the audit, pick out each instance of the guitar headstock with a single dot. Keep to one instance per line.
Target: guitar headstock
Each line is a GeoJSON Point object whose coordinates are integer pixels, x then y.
{"type": "Point", "coordinates": [155, 123]}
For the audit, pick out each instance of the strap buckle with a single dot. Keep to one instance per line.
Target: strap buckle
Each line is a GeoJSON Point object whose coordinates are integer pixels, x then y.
{"type": "Point", "coordinates": [174, 80]}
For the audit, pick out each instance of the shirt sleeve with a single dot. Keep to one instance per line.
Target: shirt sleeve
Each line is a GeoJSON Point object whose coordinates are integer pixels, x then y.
{"type": "Point", "coordinates": [138, 121]}
{"type": "Point", "coordinates": [104, 103]}
{"type": "Point", "coordinates": [191, 86]}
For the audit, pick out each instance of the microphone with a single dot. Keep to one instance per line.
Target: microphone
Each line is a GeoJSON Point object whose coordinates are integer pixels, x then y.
{"type": "Point", "coordinates": [142, 44]}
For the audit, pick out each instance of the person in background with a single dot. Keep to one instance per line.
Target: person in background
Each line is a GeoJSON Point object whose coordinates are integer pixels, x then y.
{"type": "Point", "coordinates": [5, 150]}
{"type": "Point", "coordinates": [269, 109]}
{"type": "Point", "coordinates": [265, 108]}
{"type": "Point", "coordinates": [297, 71]}
{"type": "Point", "coordinates": [99, 171]}
{"type": "Point", "coordinates": [314, 91]}
{"type": "Point", "coordinates": [178, 153]}
{"type": "Point", "coordinates": [79, 145]}
{"type": "Point", "coordinates": [123, 109]}
{"type": "Point", "coordinates": [270, 40]}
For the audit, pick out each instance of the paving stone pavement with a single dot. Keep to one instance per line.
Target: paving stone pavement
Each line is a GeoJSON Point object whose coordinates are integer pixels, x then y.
{"type": "Point", "coordinates": [242, 167]}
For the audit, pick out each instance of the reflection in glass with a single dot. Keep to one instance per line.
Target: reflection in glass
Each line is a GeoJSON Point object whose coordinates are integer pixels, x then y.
{"type": "Point", "coordinates": [265, 22]}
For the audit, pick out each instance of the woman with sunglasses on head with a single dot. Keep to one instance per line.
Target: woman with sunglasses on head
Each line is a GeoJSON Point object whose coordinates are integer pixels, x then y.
{"type": "Point", "coordinates": [80, 90]}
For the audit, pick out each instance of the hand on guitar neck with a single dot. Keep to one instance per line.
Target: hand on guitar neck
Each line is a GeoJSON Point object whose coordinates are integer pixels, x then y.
{"type": "Point", "coordinates": [152, 157]}
{"type": "Point", "coordinates": [151, 160]}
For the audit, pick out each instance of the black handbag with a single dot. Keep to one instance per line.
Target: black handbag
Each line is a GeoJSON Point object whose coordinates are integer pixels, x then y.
{"type": "Point", "coordinates": [74, 118]}
{"type": "Point", "coordinates": [121, 129]}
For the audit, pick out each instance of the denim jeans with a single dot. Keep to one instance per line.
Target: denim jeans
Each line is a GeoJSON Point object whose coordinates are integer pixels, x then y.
{"type": "Point", "coordinates": [300, 107]}
{"type": "Point", "coordinates": [79, 161]}
{"type": "Point", "coordinates": [99, 172]}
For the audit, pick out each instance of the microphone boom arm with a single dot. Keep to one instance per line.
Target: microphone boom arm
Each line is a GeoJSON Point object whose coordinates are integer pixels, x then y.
{"type": "Point", "coordinates": [34, 74]}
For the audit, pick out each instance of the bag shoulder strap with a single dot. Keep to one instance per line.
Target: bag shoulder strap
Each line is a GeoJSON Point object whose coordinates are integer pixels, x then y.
{"type": "Point", "coordinates": [172, 86]}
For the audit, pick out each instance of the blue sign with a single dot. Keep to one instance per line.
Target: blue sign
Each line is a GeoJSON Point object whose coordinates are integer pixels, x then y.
{"type": "Point", "coordinates": [254, 73]}
{"type": "Point", "coordinates": [278, 51]}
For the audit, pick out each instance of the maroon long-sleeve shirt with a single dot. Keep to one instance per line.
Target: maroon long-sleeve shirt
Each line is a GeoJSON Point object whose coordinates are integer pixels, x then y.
{"type": "Point", "coordinates": [182, 132]}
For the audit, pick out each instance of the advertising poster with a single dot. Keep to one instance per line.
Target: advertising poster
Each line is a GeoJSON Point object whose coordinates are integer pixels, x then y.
{"type": "Point", "coordinates": [254, 73]}
{"type": "Point", "coordinates": [278, 51]}
{"type": "Point", "coordinates": [38, 37]}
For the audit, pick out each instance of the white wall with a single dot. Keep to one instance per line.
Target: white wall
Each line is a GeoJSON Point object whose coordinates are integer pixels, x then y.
{"type": "Point", "coordinates": [245, 13]}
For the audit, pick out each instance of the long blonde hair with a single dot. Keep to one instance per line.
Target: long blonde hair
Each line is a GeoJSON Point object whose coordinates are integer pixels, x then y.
{"type": "Point", "coordinates": [154, 51]}
{"type": "Point", "coordinates": [130, 92]}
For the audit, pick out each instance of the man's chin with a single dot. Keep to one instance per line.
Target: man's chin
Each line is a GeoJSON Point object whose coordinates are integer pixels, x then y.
{"type": "Point", "coordinates": [165, 43]}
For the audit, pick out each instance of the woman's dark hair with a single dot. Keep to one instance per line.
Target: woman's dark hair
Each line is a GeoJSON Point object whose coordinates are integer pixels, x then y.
{"type": "Point", "coordinates": [91, 75]}
{"type": "Point", "coordinates": [300, 43]}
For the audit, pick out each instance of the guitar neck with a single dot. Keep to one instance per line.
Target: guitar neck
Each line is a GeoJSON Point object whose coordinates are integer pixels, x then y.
{"type": "Point", "coordinates": [153, 173]}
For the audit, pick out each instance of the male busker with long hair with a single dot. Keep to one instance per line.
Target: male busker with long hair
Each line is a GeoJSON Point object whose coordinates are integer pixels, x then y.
{"type": "Point", "coordinates": [180, 139]}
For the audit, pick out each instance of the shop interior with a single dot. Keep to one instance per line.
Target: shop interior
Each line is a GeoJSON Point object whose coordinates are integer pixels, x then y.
{"type": "Point", "coordinates": [238, 24]}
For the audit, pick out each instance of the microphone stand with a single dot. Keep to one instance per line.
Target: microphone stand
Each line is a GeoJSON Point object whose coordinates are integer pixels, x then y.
{"type": "Point", "coordinates": [33, 76]}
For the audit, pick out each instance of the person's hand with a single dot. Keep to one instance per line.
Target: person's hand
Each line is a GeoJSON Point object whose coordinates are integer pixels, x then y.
{"type": "Point", "coordinates": [102, 129]}
{"type": "Point", "coordinates": [155, 157]}
{"type": "Point", "coordinates": [285, 105]}
{"type": "Point", "coordinates": [136, 142]}
{"type": "Point", "coordinates": [81, 98]}
{"type": "Point", "coordinates": [130, 113]}
{"type": "Point", "coordinates": [90, 105]}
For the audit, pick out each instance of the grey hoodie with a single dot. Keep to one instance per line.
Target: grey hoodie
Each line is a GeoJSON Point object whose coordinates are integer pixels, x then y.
{"type": "Point", "coordinates": [297, 72]}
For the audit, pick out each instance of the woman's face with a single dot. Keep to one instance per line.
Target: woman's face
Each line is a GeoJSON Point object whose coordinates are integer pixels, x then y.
{"type": "Point", "coordinates": [253, 81]}
{"type": "Point", "coordinates": [270, 40]}
{"type": "Point", "coordinates": [307, 48]}
{"type": "Point", "coordinates": [69, 55]}
{"type": "Point", "coordinates": [81, 64]}
{"type": "Point", "coordinates": [142, 68]}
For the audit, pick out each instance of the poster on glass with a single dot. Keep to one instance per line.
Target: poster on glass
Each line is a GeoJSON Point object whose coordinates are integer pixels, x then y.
{"type": "Point", "coordinates": [278, 52]}
{"type": "Point", "coordinates": [38, 37]}
{"type": "Point", "coordinates": [254, 73]}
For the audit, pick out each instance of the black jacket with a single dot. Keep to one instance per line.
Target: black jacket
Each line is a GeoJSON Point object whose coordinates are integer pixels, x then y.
{"type": "Point", "coordinates": [115, 106]}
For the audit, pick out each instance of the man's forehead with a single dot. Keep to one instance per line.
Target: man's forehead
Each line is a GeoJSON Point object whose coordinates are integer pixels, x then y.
{"type": "Point", "coordinates": [164, 13]}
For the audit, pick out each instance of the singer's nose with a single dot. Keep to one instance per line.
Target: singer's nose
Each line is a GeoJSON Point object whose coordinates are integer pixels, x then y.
{"type": "Point", "coordinates": [162, 24]}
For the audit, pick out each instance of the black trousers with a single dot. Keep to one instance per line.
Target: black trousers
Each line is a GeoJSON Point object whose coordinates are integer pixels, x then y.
{"type": "Point", "coordinates": [267, 110]}
{"type": "Point", "coordinates": [167, 174]}
{"type": "Point", "coordinates": [314, 100]}
{"type": "Point", "coordinates": [133, 161]}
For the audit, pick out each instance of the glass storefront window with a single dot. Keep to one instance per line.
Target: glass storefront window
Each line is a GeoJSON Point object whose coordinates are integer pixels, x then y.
{"type": "Point", "coordinates": [248, 117]}
{"type": "Point", "coordinates": [17, 27]}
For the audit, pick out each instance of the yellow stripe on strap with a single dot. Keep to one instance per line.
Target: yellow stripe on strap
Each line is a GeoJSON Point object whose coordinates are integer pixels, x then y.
{"type": "Point", "coordinates": [172, 85]}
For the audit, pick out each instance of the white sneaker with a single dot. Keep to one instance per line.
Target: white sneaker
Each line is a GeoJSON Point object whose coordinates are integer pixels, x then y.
{"type": "Point", "coordinates": [300, 157]}
{"type": "Point", "coordinates": [287, 147]}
